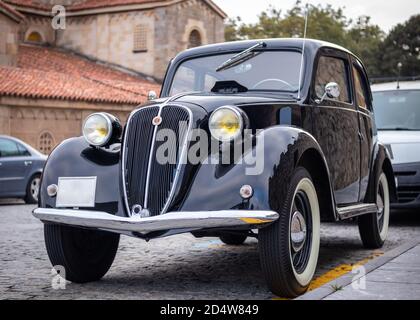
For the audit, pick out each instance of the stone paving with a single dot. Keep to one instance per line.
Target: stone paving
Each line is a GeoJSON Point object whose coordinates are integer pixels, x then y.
{"type": "Point", "coordinates": [398, 279]}
{"type": "Point", "coordinates": [178, 267]}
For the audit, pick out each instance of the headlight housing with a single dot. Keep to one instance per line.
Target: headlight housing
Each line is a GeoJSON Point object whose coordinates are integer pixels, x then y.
{"type": "Point", "coordinates": [99, 128]}
{"type": "Point", "coordinates": [226, 123]}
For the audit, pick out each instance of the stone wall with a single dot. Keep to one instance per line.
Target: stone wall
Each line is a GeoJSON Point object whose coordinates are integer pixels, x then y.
{"type": "Point", "coordinates": [175, 23]}
{"type": "Point", "coordinates": [109, 37]}
{"type": "Point", "coordinates": [9, 31]}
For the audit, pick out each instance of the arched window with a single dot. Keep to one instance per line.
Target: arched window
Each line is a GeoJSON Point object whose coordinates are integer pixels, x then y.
{"type": "Point", "coordinates": [34, 36]}
{"type": "Point", "coordinates": [46, 143]}
{"type": "Point", "coordinates": [194, 39]}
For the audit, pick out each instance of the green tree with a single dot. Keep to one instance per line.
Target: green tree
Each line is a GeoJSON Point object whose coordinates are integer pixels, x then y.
{"type": "Point", "coordinates": [402, 45]}
{"type": "Point", "coordinates": [324, 23]}
{"type": "Point", "coordinates": [364, 40]}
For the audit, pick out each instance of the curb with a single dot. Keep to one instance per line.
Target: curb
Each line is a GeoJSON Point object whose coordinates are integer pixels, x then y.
{"type": "Point", "coordinates": [345, 280]}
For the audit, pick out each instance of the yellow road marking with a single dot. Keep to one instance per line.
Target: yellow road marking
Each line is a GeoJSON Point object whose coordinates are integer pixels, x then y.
{"type": "Point", "coordinates": [336, 273]}
{"type": "Point", "coordinates": [339, 271]}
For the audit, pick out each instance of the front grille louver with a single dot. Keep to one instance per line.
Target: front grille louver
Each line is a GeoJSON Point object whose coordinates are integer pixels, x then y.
{"type": "Point", "coordinates": [140, 145]}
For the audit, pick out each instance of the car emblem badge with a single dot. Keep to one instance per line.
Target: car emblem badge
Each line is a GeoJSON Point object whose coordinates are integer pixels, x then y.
{"type": "Point", "coordinates": [157, 120]}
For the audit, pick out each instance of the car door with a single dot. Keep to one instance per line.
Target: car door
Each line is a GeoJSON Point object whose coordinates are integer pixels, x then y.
{"type": "Point", "coordinates": [13, 169]}
{"type": "Point", "coordinates": [336, 125]}
{"type": "Point", "coordinates": [363, 101]}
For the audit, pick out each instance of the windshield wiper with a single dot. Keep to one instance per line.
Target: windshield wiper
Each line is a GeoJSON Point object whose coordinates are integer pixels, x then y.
{"type": "Point", "coordinates": [241, 57]}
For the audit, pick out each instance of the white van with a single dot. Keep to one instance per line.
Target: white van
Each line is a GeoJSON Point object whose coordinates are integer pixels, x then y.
{"type": "Point", "coordinates": [397, 115]}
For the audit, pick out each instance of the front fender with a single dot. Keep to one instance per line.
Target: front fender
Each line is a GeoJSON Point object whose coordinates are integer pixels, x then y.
{"type": "Point", "coordinates": [75, 158]}
{"type": "Point", "coordinates": [278, 151]}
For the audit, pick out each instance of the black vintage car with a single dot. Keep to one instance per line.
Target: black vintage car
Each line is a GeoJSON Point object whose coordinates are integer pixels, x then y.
{"type": "Point", "coordinates": [258, 139]}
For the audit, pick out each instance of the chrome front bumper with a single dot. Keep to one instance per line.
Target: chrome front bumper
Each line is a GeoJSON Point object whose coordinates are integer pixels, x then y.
{"type": "Point", "coordinates": [169, 221]}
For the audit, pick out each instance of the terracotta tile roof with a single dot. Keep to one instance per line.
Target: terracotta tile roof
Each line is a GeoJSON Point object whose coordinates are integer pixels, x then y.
{"type": "Point", "coordinates": [94, 4]}
{"type": "Point", "coordinates": [54, 74]}
{"type": "Point", "coordinates": [82, 4]}
{"type": "Point", "coordinates": [11, 12]}
{"type": "Point", "coordinates": [98, 4]}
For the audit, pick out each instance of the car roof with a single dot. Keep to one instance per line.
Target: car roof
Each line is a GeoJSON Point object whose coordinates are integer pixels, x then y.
{"type": "Point", "coordinates": [391, 86]}
{"type": "Point", "coordinates": [274, 43]}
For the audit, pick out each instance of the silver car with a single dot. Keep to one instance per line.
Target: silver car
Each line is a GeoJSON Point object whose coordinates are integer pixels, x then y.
{"type": "Point", "coordinates": [20, 169]}
{"type": "Point", "coordinates": [397, 112]}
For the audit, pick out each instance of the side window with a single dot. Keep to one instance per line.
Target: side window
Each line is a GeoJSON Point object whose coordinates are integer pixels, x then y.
{"type": "Point", "coordinates": [360, 88]}
{"type": "Point", "coordinates": [8, 148]}
{"type": "Point", "coordinates": [332, 70]}
{"type": "Point", "coordinates": [22, 150]}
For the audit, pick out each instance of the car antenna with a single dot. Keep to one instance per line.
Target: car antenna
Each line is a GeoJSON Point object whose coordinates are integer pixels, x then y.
{"type": "Point", "coordinates": [303, 49]}
{"type": "Point", "coordinates": [399, 66]}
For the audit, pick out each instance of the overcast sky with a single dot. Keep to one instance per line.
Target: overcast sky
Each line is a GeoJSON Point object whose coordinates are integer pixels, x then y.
{"type": "Point", "coordinates": [385, 13]}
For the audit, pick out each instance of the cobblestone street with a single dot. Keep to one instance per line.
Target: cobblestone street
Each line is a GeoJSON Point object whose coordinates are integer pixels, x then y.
{"type": "Point", "coordinates": [178, 267]}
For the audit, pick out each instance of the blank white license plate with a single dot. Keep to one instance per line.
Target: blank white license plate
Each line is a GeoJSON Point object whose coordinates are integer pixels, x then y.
{"type": "Point", "coordinates": [76, 192]}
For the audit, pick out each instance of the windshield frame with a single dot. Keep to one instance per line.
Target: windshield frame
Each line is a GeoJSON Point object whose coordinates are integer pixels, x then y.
{"type": "Point", "coordinates": [389, 91]}
{"type": "Point", "coordinates": [172, 69]}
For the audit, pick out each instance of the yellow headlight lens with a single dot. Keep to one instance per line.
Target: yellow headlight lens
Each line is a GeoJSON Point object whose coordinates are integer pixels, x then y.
{"type": "Point", "coordinates": [97, 129]}
{"type": "Point", "coordinates": [226, 124]}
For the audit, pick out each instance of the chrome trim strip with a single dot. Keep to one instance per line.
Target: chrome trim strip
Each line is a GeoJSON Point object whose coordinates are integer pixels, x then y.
{"type": "Point", "coordinates": [149, 163]}
{"type": "Point", "coordinates": [168, 221]}
{"type": "Point", "coordinates": [123, 155]}
{"type": "Point", "coordinates": [181, 159]}
{"type": "Point", "coordinates": [356, 210]}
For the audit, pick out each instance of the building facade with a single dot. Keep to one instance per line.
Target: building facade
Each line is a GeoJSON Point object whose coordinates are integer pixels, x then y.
{"type": "Point", "coordinates": [140, 35]}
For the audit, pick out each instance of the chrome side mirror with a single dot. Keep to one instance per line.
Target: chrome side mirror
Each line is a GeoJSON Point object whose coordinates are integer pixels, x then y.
{"type": "Point", "coordinates": [152, 95]}
{"type": "Point", "coordinates": [332, 91]}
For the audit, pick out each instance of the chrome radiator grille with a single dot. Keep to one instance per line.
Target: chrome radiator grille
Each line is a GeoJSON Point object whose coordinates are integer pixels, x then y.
{"type": "Point", "coordinates": [147, 181]}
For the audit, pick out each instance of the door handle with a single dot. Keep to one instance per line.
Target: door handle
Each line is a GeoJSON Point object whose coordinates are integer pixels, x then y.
{"type": "Point", "coordinates": [28, 163]}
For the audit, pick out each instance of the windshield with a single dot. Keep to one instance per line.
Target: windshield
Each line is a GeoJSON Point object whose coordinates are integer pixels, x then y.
{"type": "Point", "coordinates": [265, 71]}
{"type": "Point", "coordinates": [397, 110]}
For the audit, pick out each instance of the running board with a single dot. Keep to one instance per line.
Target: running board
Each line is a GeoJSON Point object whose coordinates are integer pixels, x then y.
{"type": "Point", "coordinates": [356, 210]}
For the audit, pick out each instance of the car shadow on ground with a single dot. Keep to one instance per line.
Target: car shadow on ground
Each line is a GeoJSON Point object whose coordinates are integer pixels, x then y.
{"type": "Point", "coordinates": [11, 202]}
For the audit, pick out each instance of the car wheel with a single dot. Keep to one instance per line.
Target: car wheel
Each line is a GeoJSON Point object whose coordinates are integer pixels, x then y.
{"type": "Point", "coordinates": [289, 247]}
{"type": "Point", "coordinates": [32, 189]}
{"type": "Point", "coordinates": [233, 239]}
{"type": "Point", "coordinates": [373, 227]}
{"type": "Point", "coordinates": [85, 255]}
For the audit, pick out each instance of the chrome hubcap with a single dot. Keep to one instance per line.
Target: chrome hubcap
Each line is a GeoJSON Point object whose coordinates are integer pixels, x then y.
{"type": "Point", "coordinates": [35, 188]}
{"type": "Point", "coordinates": [298, 231]}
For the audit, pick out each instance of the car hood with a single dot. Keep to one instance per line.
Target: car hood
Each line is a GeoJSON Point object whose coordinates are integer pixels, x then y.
{"type": "Point", "coordinates": [211, 101]}
{"type": "Point", "coordinates": [404, 146]}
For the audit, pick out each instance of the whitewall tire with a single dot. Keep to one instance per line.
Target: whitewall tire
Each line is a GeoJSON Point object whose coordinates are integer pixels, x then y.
{"type": "Point", "coordinates": [289, 248]}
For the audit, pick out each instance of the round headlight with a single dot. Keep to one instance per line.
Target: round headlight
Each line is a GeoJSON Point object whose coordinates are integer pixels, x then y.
{"type": "Point", "coordinates": [97, 129]}
{"type": "Point", "coordinates": [226, 124]}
